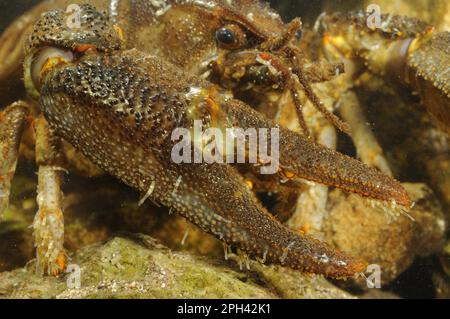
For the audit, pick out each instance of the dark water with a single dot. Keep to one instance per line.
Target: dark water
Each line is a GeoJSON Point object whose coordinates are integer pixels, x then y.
{"type": "Point", "coordinates": [11, 9]}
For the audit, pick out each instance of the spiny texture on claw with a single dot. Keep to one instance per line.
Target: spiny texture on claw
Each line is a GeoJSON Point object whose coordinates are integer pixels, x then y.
{"type": "Point", "coordinates": [432, 60]}
{"type": "Point", "coordinates": [429, 69]}
{"type": "Point", "coordinates": [355, 24]}
{"type": "Point", "coordinates": [405, 49]}
{"type": "Point", "coordinates": [50, 27]}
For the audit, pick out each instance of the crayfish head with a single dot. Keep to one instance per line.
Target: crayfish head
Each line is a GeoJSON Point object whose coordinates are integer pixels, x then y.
{"type": "Point", "coordinates": [250, 56]}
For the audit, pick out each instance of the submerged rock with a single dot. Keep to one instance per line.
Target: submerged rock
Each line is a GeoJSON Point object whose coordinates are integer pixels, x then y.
{"type": "Point", "coordinates": [137, 266]}
{"type": "Point", "coordinates": [379, 237]}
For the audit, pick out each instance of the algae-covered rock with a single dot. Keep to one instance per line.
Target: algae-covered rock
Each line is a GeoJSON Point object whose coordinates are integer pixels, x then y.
{"type": "Point", "coordinates": [292, 284]}
{"type": "Point", "coordinates": [137, 266]}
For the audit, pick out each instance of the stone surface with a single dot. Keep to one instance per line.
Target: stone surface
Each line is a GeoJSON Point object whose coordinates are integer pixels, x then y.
{"type": "Point", "coordinates": [384, 236]}
{"type": "Point", "coordinates": [137, 266]}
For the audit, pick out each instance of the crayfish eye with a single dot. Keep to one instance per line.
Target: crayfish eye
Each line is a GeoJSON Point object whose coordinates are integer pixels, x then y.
{"type": "Point", "coordinates": [226, 36]}
{"type": "Point", "coordinates": [231, 36]}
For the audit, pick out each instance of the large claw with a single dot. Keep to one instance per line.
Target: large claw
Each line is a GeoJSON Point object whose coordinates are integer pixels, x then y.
{"type": "Point", "coordinates": [216, 198]}
{"type": "Point", "coordinates": [429, 73]}
{"type": "Point", "coordinates": [406, 49]}
{"type": "Point", "coordinates": [301, 158]}
{"type": "Point", "coordinates": [213, 196]}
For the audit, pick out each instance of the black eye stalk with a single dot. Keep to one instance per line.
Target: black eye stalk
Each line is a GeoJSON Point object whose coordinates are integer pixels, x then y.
{"type": "Point", "coordinates": [299, 34]}
{"type": "Point", "coordinates": [226, 36]}
{"type": "Point", "coordinates": [231, 36]}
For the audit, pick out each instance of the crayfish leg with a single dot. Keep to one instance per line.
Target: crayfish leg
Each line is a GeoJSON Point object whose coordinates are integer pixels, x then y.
{"type": "Point", "coordinates": [49, 221]}
{"type": "Point", "coordinates": [12, 125]}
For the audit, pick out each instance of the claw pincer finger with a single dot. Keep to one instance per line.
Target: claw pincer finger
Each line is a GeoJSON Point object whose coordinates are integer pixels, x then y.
{"type": "Point", "coordinates": [302, 158]}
